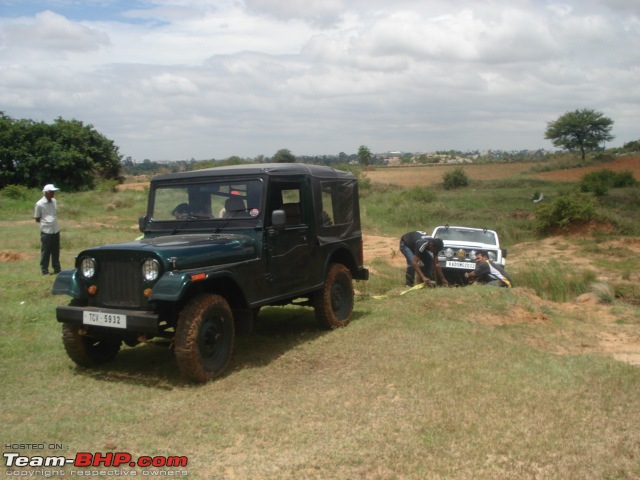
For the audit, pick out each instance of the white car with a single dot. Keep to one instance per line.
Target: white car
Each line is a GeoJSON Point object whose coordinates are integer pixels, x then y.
{"type": "Point", "coordinates": [459, 253]}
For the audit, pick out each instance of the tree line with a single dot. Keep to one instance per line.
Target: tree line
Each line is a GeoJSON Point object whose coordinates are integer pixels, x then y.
{"type": "Point", "coordinates": [76, 156]}
{"type": "Point", "coordinates": [284, 155]}
{"type": "Point", "coordinates": [66, 152]}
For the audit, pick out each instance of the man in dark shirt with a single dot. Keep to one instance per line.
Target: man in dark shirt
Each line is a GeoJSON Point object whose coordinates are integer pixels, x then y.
{"type": "Point", "coordinates": [418, 247]}
{"type": "Point", "coordinates": [489, 273]}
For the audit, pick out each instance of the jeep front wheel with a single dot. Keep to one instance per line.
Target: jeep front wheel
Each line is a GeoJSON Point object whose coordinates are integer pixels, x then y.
{"type": "Point", "coordinates": [204, 337]}
{"type": "Point", "coordinates": [334, 303]}
{"type": "Point", "coordinates": [88, 351]}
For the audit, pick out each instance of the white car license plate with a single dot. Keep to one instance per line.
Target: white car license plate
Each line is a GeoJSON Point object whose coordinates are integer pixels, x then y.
{"type": "Point", "coordinates": [102, 319]}
{"type": "Point", "coordinates": [465, 265]}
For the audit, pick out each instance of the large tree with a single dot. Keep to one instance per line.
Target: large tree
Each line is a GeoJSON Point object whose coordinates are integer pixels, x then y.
{"type": "Point", "coordinates": [582, 129]}
{"type": "Point", "coordinates": [66, 152]}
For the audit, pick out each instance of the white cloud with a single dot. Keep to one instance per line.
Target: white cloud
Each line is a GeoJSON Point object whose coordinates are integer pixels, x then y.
{"type": "Point", "coordinates": [51, 34]}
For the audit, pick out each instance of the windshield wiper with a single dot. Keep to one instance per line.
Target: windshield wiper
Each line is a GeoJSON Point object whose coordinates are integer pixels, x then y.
{"type": "Point", "coordinates": [183, 223]}
{"type": "Point", "coordinates": [229, 218]}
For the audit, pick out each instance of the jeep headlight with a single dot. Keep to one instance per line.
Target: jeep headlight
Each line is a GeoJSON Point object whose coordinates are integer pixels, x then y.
{"type": "Point", "coordinates": [448, 252]}
{"type": "Point", "coordinates": [492, 256]}
{"type": "Point", "coordinates": [87, 267]}
{"type": "Point", "coordinates": [150, 269]}
{"type": "Point", "coordinates": [472, 254]}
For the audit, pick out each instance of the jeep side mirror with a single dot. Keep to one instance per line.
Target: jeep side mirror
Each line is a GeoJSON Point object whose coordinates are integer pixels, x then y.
{"type": "Point", "coordinates": [142, 223]}
{"type": "Point", "coordinates": [278, 219]}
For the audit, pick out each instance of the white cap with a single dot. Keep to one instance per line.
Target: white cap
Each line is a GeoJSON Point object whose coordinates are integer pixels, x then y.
{"type": "Point", "coordinates": [49, 188]}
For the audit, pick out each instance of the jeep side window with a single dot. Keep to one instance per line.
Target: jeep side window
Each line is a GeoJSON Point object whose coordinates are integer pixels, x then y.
{"type": "Point", "coordinates": [287, 197]}
{"type": "Point", "coordinates": [327, 209]}
{"type": "Point", "coordinates": [292, 206]}
{"type": "Point", "coordinates": [337, 202]}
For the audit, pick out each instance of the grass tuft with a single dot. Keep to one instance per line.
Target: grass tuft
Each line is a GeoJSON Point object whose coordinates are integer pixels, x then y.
{"type": "Point", "coordinates": [554, 280]}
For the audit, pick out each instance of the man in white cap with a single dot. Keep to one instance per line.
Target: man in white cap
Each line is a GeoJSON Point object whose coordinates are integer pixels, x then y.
{"type": "Point", "coordinates": [46, 214]}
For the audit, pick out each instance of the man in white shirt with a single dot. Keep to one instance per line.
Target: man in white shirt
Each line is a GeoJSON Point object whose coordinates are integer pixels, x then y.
{"type": "Point", "coordinates": [46, 214]}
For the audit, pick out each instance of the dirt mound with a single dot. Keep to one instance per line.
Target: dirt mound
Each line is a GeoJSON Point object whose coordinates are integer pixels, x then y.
{"type": "Point", "coordinates": [12, 256]}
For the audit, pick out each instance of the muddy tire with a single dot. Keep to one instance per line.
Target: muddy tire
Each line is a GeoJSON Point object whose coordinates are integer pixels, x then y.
{"type": "Point", "coordinates": [333, 304]}
{"type": "Point", "coordinates": [88, 351]}
{"type": "Point", "coordinates": [204, 337]}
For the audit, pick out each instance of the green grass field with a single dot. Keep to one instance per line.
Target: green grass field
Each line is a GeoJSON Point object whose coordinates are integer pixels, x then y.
{"type": "Point", "coordinates": [469, 383]}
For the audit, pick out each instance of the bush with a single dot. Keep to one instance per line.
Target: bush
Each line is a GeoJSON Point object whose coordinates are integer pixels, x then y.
{"type": "Point", "coordinates": [568, 209]}
{"type": "Point", "coordinates": [600, 181]}
{"type": "Point", "coordinates": [624, 179]}
{"type": "Point", "coordinates": [15, 192]}
{"type": "Point", "coordinates": [455, 179]}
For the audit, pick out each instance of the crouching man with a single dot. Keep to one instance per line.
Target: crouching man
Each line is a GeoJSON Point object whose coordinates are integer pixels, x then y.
{"type": "Point", "coordinates": [489, 273]}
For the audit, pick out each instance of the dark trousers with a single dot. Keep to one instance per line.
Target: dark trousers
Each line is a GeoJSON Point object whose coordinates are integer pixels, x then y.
{"type": "Point", "coordinates": [410, 274]}
{"type": "Point", "coordinates": [49, 250]}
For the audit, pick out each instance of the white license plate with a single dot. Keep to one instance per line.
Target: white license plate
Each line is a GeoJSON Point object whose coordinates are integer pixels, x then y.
{"type": "Point", "coordinates": [465, 265]}
{"type": "Point", "coordinates": [103, 319]}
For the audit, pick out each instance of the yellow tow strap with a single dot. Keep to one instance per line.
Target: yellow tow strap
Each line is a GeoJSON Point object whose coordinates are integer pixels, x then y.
{"type": "Point", "coordinates": [415, 287]}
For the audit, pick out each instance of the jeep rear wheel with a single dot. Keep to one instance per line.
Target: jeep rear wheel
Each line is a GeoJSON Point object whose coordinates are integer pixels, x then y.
{"type": "Point", "coordinates": [88, 351]}
{"type": "Point", "coordinates": [334, 303]}
{"type": "Point", "coordinates": [204, 337]}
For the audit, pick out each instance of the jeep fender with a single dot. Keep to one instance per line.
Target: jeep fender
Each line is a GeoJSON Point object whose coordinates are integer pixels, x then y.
{"type": "Point", "coordinates": [173, 286]}
{"type": "Point", "coordinates": [66, 283]}
{"type": "Point", "coordinates": [341, 253]}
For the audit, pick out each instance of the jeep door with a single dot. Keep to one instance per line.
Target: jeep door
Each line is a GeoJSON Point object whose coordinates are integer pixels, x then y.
{"type": "Point", "coordinates": [290, 249]}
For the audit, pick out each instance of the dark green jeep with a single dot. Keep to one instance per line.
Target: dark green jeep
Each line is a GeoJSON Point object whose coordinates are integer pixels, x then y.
{"type": "Point", "coordinates": [217, 245]}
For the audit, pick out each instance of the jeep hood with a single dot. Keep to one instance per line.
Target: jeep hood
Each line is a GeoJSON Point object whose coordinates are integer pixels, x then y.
{"type": "Point", "coordinates": [188, 251]}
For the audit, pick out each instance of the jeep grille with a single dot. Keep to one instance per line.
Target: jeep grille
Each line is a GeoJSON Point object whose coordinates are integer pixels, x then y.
{"type": "Point", "coordinates": [121, 283]}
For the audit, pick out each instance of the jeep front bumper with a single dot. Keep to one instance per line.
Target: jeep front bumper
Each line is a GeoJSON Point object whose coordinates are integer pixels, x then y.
{"type": "Point", "coordinates": [115, 321]}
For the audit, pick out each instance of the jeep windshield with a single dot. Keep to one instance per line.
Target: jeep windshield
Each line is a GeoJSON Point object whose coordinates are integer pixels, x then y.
{"type": "Point", "coordinates": [457, 234]}
{"type": "Point", "coordinates": [191, 206]}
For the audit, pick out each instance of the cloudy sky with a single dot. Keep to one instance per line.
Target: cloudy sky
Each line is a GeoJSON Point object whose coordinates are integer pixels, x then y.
{"type": "Point", "coordinates": [181, 79]}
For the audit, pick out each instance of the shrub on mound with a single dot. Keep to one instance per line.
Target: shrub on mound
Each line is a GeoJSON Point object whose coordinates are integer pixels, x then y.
{"type": "Point", "coordinates": [569, 209]}
{"type": "Point", "coordinates": [600, 181]}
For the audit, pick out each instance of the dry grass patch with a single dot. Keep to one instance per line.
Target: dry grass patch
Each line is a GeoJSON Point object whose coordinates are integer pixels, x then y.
{"type": "Point", "coordinates": [427, 175]}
